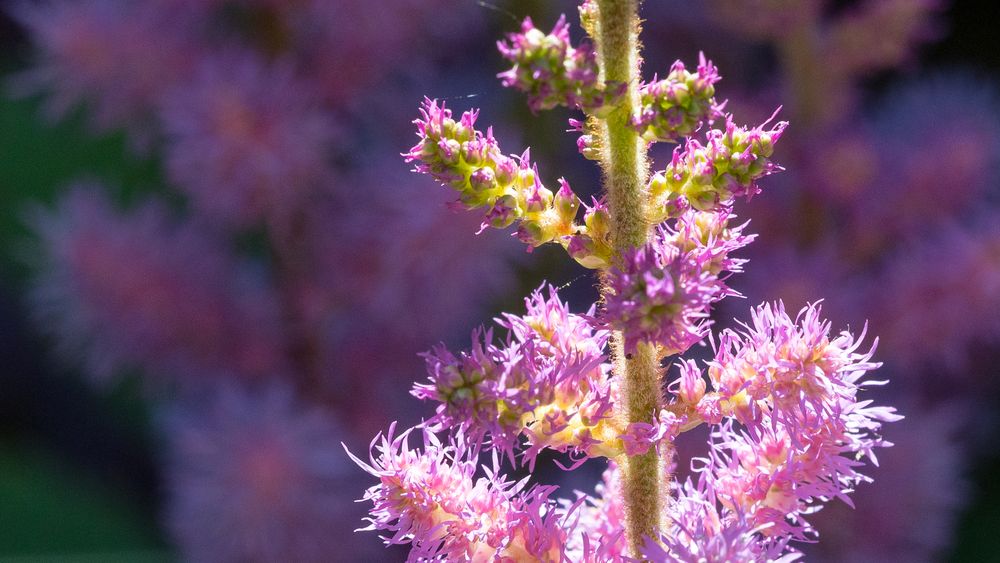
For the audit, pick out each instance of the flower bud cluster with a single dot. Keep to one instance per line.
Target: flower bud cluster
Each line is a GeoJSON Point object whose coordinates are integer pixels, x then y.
{"type": "Point", "coordinates": [661, 294]}
{"type": "Point", "coordinates": [430, 500]}
{"type": "Point", "coordinates": [459, 156]}
{"type": "Point", "coordinates": [548, 382]}
{"type": "Point", "coordinates": [709, 176]}
{"type": "Point", "coordinates": [677, 106]}
{"type": "Point", "coordinates": [554, 73]}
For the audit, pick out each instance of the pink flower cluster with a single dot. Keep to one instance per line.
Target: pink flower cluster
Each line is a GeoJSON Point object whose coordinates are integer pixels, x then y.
{"type": "Point", "coordinates": [663, 292]}
{"type": "Point", "coordinates": [431, 500]}
{"type": "Point", "coordinates": [793, 388]}
{"type": "Point", "coordinates": [788, 430]}
{"type": "Point", "coordinates": [548, 382]}
{"type": "Point", "coordinates": [788, 433]}
{"type": "Point", "coordinates": [459, 156]}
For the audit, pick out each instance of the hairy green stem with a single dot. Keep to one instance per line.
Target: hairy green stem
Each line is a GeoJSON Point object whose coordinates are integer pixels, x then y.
{"type": "Point", "coordinates": [626, 173]}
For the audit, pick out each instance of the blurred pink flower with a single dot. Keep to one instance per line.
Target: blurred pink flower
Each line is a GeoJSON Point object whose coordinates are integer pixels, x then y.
{"type": "Point", "coordinates": [255, 475]}
{"type": "Point", "coordinates": [136, 290]}
{"type": "Point", "coordinates": [246, 139]}
{"type": "Point", "coordinates": [935, 301]}
{"type": "Point", "coordinates": [118, 58]}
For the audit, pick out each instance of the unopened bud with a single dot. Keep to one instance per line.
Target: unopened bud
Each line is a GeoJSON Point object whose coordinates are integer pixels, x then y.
{"type": "Point", "coordinates": [566, 203]}
{"type": "Point", "coordinates": [483, 180]}
{"type": "Point", "coordinates": [506, 171]}
{"type": "Point", "coordinates": [503, 213]}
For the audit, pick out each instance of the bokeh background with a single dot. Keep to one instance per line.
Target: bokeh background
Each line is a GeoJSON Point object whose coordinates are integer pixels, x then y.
{"type": "Point", "coordinates": [215, 267]}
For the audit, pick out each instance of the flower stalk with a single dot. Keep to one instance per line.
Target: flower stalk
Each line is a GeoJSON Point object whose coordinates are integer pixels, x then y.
{"type": "Point", "coordinates": [592, 385]}
{"type": "Point", "coordinates": [626, 173]}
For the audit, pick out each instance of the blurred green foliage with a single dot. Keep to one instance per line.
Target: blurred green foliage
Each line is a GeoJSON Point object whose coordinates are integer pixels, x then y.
{"type": "Point", "coordinates": [38, 160]}
{"type": "Point", "coordinates": [50, 509]}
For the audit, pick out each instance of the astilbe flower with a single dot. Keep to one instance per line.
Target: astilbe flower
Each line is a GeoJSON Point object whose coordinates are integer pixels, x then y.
{"type": "Point", "coordinates": [659, 296]}
{"type": "Point", "coordinates": [788, 431]}
{"type": "Point", "coordinates": [795, 391]}
{"type": "Point", "coordinates": [711, 175]}
{"type": "Point", "coordinates": [663, 292]}
{"type": "Point", "coordinates": [553, 72]}
{"type": "Point", "coordinates": [589, 245]}
{"type": "Point", "coordinates": [246, 140]}
{"type": "Point", "coordinates": [704, 529]}
{"type": "Point", "coordinates": [677, 106]}
{"type": "Point", "coordinates": [431, 500]}
{"type": "Point", "coordinates": [255, 475]}
{"type": "Point", "coordinates": [600, 522]}
{"type": "Point", "coordinates": [139, 290]}
{"type": "Point", "coordinates": [548, 382]}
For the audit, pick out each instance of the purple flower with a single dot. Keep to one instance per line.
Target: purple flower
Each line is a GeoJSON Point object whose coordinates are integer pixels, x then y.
{"type": "Point", "coordinates": [458, 155]}
{"type": "Point", "coordinates": [704, 527]}
{"type": "Point", "coordinates": [640, 436]}
{"type": "Point", "coordinates": [662, 292]}
{"type": "Point", "coordinates": [710, 175]}
{"type": "Point", "coordinates": [474, 386]}
{"type": "Point", "coordinates": [548, 382]}
{"type": "Point", "coordinates": [600, 524]}
{"type": "Point", "coordinates": [431, 500]}
{"type": "Point", "coordinates": [708, 239]}
{"type": "Point", "coordinates": [795, 390]}
{"type": "Point", "coordinates": [678, 105]}
{"type": "Point", "coordinates": [780, 370]}
{"type": "Point", "coordinates": [117, 57]}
